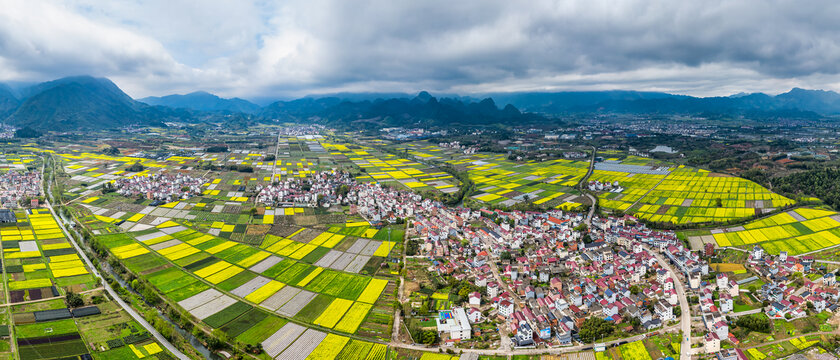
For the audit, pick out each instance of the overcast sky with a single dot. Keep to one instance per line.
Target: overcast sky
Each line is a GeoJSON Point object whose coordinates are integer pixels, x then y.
{"type": "Point", "coordinates": [290, 48]}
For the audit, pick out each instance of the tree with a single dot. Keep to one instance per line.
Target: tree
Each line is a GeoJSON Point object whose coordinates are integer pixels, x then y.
{"type": "Point", "coordinates": [757, 322]}
{"type": "Point", "coordinates": [505, 255]}
{"type": "Point", "coordinates": [677, 311]}
{"type": "Point", "coordinates": [111, 150]}
{"type": "Point", "coordinates": [595, 328]}
{"type": "Point", "coordinates": [27, 133]}
{"type": "Point", "coordinates": [635, 290]}
{"type": "Point", "coordinates": [216, 149]}
{"type": "Point", "coordinates": [74, 300]}
{"type": "Point", "coordinates": [428, 337]}
{"type": "Point", "coordinates": [136, 167]}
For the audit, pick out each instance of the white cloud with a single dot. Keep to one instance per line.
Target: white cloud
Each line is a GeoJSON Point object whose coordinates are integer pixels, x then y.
{"type": "Point", "coordinates": [295, 47]}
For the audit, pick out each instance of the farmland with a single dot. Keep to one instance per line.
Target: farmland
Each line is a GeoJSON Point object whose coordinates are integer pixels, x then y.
{"type": "Point", "coordinates": [797, 231]}
{"type": "Point", "coordinates": [305, 281]}
{"type": "Point", "coordinates": [679, 195]}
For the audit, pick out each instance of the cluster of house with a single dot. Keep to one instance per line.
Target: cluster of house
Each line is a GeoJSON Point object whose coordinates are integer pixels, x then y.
{"type": "Point", "coordinates": [595, 185]}
{"type": "Point", "coordinates": [161, 186]}
{"type": "Point", "coordinates": [543, 280]}
{"type": "Point", "coordinates": [467, 150]}
{"type": "Point", "coordinates": [787, 300]}
{"type": "Point", "coordinates": [321, 185]}
{"type": "Point", "coordinates": [379, 204]}
{"type": "Point", "coordinates": [18, 185]}
{"type": "Point", "coordinates": [554, 281]}
{"type": "Point", "coordinates": [301, 130]}
{"type": "Point", "coordinates": [574, 155]}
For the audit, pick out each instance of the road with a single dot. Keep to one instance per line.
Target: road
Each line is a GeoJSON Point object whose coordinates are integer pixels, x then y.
{"type": "Point", "coordinates": [162, 340]}
{"type": "Point", "coordinates": [685, 322]}
{"type": "Point", "coordinates": [589, 196]}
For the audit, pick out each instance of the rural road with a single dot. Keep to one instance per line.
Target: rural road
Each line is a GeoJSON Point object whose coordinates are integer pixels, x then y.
{"type": "Point", "coordinates": [162, 340]}
{"type": "Point", "coordinates": [589, 196]}
{"type": "Point", "coordinates": [685, 322]}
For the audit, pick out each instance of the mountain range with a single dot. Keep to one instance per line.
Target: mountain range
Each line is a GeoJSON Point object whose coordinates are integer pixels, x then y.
{"type": "Point", "coordinates": [84, 102]}
{"type": "Point", "coordinates": [203, 101]}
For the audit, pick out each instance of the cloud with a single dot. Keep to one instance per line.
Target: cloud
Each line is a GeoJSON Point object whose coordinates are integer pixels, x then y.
{"type": "Point", "coordinates": [296, 47]}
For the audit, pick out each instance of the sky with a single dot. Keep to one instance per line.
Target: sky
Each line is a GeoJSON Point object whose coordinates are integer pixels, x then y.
{"type": "Point", "coordinates": [291, 48]}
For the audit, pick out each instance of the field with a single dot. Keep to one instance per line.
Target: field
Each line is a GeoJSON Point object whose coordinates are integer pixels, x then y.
{"type": "Point", "coordinates": [634, 350]}
{"type": "Point", "coordinates": [798, 231]}
{"type": "Point", "coordinates": [37, 256]}
{"type": "Point", "coordinates": [547, 184]}
{"type": "Point", "coordinates": [682, 195]}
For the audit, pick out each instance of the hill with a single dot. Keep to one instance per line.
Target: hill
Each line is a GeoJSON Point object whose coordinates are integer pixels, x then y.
{"type": "Point", "coordinates": [81, 102]}
{"type": "Point", "coordinates": [8, 101]}
{"type": "Point", "coordinates": [203, 101]}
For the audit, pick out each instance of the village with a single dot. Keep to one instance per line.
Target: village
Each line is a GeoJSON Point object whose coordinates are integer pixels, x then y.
{"type": "Point", "coordinates": [17, 186]}
{"type": "Point", "coordinates": [538, 277]}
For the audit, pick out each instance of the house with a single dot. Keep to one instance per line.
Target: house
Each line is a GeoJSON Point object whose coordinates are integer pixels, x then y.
{"type": "Point", "coordinates": [563, 334]}
{"type": "Point", "coordinates": [726, 304]}
{"type": "Point", "coordinates": [492, 290]}
{"type": "Point", "coordinates": [474, 315]}
{"type": "Point", "coordinates": [757, 253]}
{"type": "Point", "coordinates": [454, 323]}
{"type": "Point", "coordinates": [661, 275]}
{"type": "Point", "coordinates": [664, 311]}
{"type": "Point", "coordinates": [721, 329]}
{"type": "Point", "coordinates": [506, 308]}
{"type": "Point", "coordinates": [829, 279]}
{"type": "Point", "coordinates": [524, 335]}
{"type": "Point", "coordinates": [712, 344]}
{"type": "Point", "coordinates": [729, 354]}
{"type": "Point", "coordinates": [475, 298]}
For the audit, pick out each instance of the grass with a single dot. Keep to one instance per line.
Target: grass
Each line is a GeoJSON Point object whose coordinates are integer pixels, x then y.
{"type": "Point", "coordinates": [57, 327]}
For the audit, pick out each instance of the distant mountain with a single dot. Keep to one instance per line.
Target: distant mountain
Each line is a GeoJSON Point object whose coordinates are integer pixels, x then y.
{"type": "Point", "coordinates": [8, 101]}
{"type": "Point", "coordinates": [797, 103]}
{"type": "Point", "coordinates": [84, 102]}
{"type": "Point", "coordinates": [572, 101]}
{"type": "Point", "coordinates": [203, 101]}
{"type": "Point", "coordinates": [422, 110]}
{"type": "Point", "coordinates": [80, 102]}
{"type": "Point", "coordinates": [820, 101]}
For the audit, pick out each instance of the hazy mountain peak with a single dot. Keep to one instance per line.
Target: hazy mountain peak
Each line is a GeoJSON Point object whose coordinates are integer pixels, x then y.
{"type": "Point", "coordinates": [203, 101]}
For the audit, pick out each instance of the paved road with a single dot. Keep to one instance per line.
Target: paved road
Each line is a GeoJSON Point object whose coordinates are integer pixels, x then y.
{"type": "Point", "coordinates": [685, 322]}
{"type": "Point", "coordinates": [162, 340]}
{"type": "Point", "coordinates": [583, 182]}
